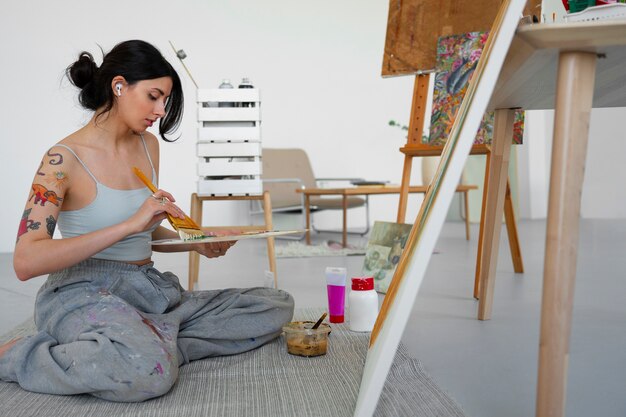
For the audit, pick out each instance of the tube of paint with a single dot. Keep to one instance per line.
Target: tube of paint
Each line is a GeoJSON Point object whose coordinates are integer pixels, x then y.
{"type": "Point", "coordinates": [336, 287]}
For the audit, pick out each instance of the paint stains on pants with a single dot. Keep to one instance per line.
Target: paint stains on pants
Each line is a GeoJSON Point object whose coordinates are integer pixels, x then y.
{"type": "Point", "coordinates": [120, 332]}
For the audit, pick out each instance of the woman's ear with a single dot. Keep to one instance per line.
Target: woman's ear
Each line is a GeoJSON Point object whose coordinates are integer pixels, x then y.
{"type": "Point", "coordinates": [117, 84]}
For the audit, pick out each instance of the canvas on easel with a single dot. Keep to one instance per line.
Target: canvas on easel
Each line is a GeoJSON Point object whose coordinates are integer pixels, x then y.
{"type": "Point", "coordinates": [427, 227]}
{"type": "Point", "coordinates": [457, 57]}
{"type": "Point", "coordinates": [414, 26]}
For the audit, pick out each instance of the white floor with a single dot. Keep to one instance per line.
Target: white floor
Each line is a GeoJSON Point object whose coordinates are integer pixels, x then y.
{"type": "Point", "coordinates": [489, 367]}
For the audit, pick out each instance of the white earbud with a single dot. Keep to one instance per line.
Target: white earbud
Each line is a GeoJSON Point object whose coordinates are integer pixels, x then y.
{"type": "Point", "coordinates": [118, 87]}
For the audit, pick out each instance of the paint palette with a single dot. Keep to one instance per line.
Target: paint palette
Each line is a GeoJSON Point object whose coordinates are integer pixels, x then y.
{"type": "Point", "coordinates": [230, 237]}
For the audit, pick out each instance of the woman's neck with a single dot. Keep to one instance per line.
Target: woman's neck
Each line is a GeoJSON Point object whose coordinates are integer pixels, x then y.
{"type": "Point", "coordinates": [107, 130]}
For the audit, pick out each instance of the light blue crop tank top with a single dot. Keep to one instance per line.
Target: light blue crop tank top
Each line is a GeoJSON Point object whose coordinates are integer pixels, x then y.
{"type": "Point", "coordinates": [109, 207]}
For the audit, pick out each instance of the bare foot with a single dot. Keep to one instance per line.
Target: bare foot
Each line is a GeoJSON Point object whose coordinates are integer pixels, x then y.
{"type": "Point", "coordinates": [8, 346]}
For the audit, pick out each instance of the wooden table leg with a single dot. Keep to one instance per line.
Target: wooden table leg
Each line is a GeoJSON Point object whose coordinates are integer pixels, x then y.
{"type": "Point", "coordinates": [574, 95]}
{"type": "Point", "coordinates": [344, 202]}
{"type": "Point", "coordinates": [511, 231]}
{"type": "Point", "coordinates": [467, 219]}
{"type": "Point", "coordinates": [271, 252]}
{"type": "Point", "coordinates": [195, 213]}
{"type": "Point", "coordinates": [498, 174]}
{"type": "Point", "coordinates": [481, 227]}
{"type": "Point", "coordinates": [307, 213]}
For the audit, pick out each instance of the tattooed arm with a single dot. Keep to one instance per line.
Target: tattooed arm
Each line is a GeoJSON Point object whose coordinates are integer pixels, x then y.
{"type": "Point", "coordinates": [55, 182]}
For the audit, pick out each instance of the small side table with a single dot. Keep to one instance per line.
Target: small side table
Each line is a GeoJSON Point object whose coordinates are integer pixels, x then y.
{"type": "Point", "coordinates": [196, 215]}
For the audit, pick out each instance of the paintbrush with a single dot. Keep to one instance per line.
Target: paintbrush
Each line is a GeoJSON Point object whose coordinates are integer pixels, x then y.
{"type": "Point", "coordinates": [309, 337]}
{"type": "Point", "coordinates": [187, 229]}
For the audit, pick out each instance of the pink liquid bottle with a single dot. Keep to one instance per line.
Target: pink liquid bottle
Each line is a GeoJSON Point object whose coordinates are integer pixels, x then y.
{"type": "Point", "coordinates": [336, 288]}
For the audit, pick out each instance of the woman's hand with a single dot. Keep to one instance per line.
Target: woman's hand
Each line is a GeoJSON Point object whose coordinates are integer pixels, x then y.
{"type": "Point", "coordinates": [216, 249]}
{"type": "Point", "coordinates": [213, 249]}
{"type": "Point", "coordinates": [154, 210]}
{"type": "Point", "coordinates": [208, 249]}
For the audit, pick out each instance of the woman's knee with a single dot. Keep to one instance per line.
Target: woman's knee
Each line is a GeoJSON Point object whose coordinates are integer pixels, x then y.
{"type": "Point", "coordinates": [281, 305]}
{"type": "Point", "coordinates": [288, 304]}
{"type": "Point", "coordinates": [144, 377]}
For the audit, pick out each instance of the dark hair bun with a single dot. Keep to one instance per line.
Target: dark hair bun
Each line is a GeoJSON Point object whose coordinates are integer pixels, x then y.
{"type": "Point", "coordinates": [83, 70]}
{"type": "Point", "coordinates": [134, 61]}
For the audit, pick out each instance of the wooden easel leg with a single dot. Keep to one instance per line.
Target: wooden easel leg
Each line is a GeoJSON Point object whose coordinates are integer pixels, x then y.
{"type": "Point", "coordinates": [271, 253]}
{"type": "Point", "coordinates": [574, 94]}
{"type": "Point", "coordinates": [511, 229]}
{"type": "Point", "coordinates": [195, 213]}
{"type": "Point", "coordinates": [414, 137]}
{"type": "Point", "coordinates": [404, 188]}
{"type": "Point", "coordinates": [481, 227]}
{"type": "Point", "coordinates": [498, 174]}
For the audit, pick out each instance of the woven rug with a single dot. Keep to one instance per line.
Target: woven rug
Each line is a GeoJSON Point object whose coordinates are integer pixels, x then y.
{"type": "Point", "coordinates": [301, 250]}
{"type": "Point", "coordinates": [267, 382]}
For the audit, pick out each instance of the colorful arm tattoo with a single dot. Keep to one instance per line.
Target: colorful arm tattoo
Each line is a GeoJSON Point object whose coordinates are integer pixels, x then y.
{"type": "Point", "coordinates": [27, 224]}
{"type": "Point", "coordinates": [56, 179]}
{"type": "Point", "coordinates": [43, 195]}
{"type": "Point", "coordinates": [51, 224]}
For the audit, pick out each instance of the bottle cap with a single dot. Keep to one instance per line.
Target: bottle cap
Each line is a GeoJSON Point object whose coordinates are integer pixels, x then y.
{"type": "Point", "coordinates": [362, 283]}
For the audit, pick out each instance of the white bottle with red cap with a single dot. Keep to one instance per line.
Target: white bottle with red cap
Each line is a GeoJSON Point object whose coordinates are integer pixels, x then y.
{"type": "Point", "coordinates": [363, 302]}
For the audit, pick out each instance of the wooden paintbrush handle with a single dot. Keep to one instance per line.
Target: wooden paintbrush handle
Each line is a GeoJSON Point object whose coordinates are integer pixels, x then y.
{"type": "Point", "coordinates": [152, 188]}
{"type": "Point", "coordinates": [145, 179]}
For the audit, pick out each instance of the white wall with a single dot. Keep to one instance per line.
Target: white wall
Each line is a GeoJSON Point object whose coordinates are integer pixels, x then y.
{"type": "Point", "coordinates": [318, 65]}
{"type": "Point", "coordinates": [604, 195]}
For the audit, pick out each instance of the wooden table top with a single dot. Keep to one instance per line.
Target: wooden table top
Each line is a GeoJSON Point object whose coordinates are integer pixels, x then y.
{"type": "Point", "coordinates": [528, 77]}
{"type": "Point", "coordinates": [393, 189]}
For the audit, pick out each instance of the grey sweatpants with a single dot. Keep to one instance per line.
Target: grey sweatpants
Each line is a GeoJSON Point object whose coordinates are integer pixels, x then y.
{"type": "Point", "coordinates": [120, 332]}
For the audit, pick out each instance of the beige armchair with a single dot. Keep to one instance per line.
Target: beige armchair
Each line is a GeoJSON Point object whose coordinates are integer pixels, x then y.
{"type": "Point", "coordinates": [284, 171]}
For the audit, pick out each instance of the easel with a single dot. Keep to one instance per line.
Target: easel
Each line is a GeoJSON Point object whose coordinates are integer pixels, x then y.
{"type": "Point", "coordinates": [415, 148]}
{"type": "Point", "coordinates": [413, 29]}
{"type": "Point", "coordinates": [411, 269]}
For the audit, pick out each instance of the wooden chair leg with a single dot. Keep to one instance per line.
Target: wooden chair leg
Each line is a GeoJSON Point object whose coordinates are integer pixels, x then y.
{"type": "Point", "coordinates": [498, 174]}
{"type": "Point", "coordinates": [271, 253]}
{"type": "Point", "coordinates": [194, 259]}
{"type": "Point", "coordinates": [511, 229]}
{"type": "Point", "coordinates": [307, 213]}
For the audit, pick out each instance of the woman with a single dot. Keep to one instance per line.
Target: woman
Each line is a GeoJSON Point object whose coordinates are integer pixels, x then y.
{"type": "Point", "coordinates": [110, 324]}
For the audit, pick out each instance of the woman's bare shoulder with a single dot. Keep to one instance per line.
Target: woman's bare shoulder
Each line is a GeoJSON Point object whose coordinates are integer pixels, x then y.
{"type": "Point", "coordinates": [153, 147]}
{"type": "Point", "coordinates": [151, 140]}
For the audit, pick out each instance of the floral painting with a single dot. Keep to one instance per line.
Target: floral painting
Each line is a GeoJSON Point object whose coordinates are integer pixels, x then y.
{"type": "Point", "coordinates": [383, 251]}
{"type": "Point", "coordinates": [457, 57]}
